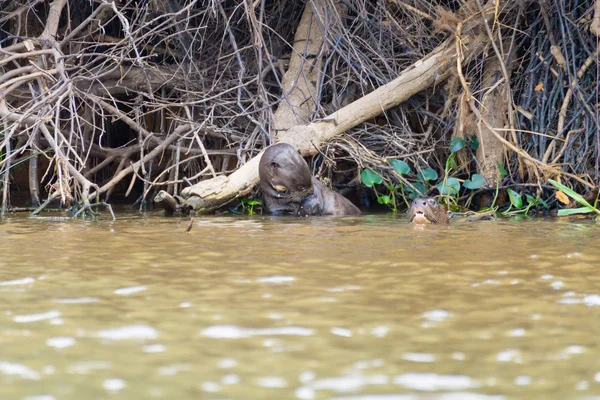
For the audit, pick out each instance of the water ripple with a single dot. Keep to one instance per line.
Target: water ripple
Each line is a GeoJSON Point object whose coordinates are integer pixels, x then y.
{"type": "Point", "coordinates": [24, 281]}
{"type": "Point", "coordinates": [8, 368]}
{"type": "Point", "coordinates": [128, 332]}
{"type": "Point", "coordinates": [236, 332]}
{"type": "Point", "coordinates": [433, 382]}
{"type": "Point", "coordinates": [27, 318]}
{"type": "Point", "coordinates": [126, 291]}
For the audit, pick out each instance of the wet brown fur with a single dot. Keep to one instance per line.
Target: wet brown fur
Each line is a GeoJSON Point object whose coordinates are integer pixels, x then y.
{"type": "Point", "coordinates": [289, 188]}
{"type": "Point", "coordinates": [325, 201]}
{"type": "Point", "coordinates": [429, 209]}
{"type": "Point", "coordinates": [285, 179]}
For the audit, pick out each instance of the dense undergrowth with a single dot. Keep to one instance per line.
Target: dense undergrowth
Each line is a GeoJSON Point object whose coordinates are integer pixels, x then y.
{"type": "Point", "coordinates": [101, 98]}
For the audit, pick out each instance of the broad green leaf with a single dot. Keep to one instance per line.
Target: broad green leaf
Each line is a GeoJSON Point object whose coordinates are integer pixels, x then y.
{"type": "Point", "coordinates": [370, 178]}
{"type": "Point", "coordinates": [427, 174]}
{"type": "Point", "coordinates": [254, 203]}
{"type": "Point", "coordinates": [572, 211]}
{"type": "Point", "coordinates": [384, 199]}
{"type": "Point", "coordinates": [501, 169]}
{"type": "Point", "coordinates": [474, 143]}
{"type": "Point", "coordinates": [451, 187]}
{"type": "Point", "coordinates": [421, 190]}
{"type": "Point", "coordinates": [475, 182]}
{"type": "Point", "coordinates": [456, 144]}
{"type": "Point", "coordinates": [515, 198]}
{"type": "Point", "coordinates": [400, 167]}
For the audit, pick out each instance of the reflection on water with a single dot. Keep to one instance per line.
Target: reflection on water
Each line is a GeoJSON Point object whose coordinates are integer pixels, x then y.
{"type": "Point", "coordinates": [366, 308]}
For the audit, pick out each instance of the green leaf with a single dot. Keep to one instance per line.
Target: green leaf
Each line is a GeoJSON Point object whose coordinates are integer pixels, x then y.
{"type": "Point", "coordinates": [384, 199]}
{"type": "Point", "coordinates": [542, 202]}
{"type": "Point", "coordinates": [456, 144]}
{"type": "Point", "coordinates": [501, 169]}
{"type": "Point", "coordinates": [536, 200]}
{"type": "Point", "coordinates": [475, 182]}
{"type": "Point", "coordinates": [451, 162]}
{"type": "Point", "coordinates": [427, 174]}
{"type": "Point", "coordinates": [400, 167]}
{"type": "Point", "coordinates": [573, 194]}
{"type": "Point", "coordinates": [370, 178]}
{"type": "Point", "coordinates": [451, 187]}
{"type": "Point", "coordinates": [421, 190]}
{"type": "Point", "coordinates": [530, 199]}
{"type": "Point", "coordinates": [391, 188]}
{"type": "Point", "coordinates": [474, 143]}
{"type": "Point", "coordinates": [515, 198]}
{"type": "Point", "coordinates": [254, 203]}
{"type": "Point", "coordinates": [572, 211]}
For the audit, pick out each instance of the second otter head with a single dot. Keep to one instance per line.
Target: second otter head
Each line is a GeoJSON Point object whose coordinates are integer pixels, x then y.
{"type": "Point", "coordinates": [425, 210]}
{"type": "Point", "coordinates": [284, 174]}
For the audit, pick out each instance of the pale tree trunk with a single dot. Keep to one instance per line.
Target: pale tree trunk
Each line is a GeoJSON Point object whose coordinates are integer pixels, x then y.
{"type": "Point", "coordinates": [494, 109]}
{"type": "Point", "coordinates": [595, 25]}
{"type": "Point", "coordinates": [300, 82]}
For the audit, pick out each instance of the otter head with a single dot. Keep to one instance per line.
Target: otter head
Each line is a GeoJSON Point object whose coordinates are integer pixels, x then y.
{"type": "Point", "coordinates": [425, 210]}
{"type": "Point", "coordinates": [284, 174]}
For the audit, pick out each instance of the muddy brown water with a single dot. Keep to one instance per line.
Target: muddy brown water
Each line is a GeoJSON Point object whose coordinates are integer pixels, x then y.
{"type": "Point", "coordinates": [366, 308]}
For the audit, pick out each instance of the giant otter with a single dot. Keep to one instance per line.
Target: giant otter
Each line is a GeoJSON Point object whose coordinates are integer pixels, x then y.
{"type": "Point", "coordinates": [289, 188]}
{"type": "Point", "coordinates": [285, 179]}
{"type": "Point", "coordinates": [425, 210]}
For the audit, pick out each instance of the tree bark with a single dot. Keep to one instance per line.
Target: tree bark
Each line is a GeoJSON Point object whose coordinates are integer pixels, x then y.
{"type": "Point", "coordinates": [494, 109]}
{"type": "Point", "coordinates": [595, 25]}
{"type": "Point", "coordinates": [300, 82]}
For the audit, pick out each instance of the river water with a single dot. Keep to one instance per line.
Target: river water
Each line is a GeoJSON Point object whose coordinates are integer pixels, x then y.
{"type": "Point", "coordinates": [365, 308]}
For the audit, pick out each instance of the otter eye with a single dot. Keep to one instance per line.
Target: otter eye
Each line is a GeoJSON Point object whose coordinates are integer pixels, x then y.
{"type": "Point", "coordinates": [301, 188]}
{"type": "Point", "coordinates": [274, 165]}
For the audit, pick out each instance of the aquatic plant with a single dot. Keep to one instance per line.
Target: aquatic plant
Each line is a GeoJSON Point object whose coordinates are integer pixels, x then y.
{"type": "Point", "coordinates": [411, 186]}
{"type": "Point", "coordinates": [516, 202]}
{"type": "Point", "coordinates": [370, 179]}
{"type": "Point", "coordinates": [587, 207]}
{"type": "Point", "coordinates": [249, 204]}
